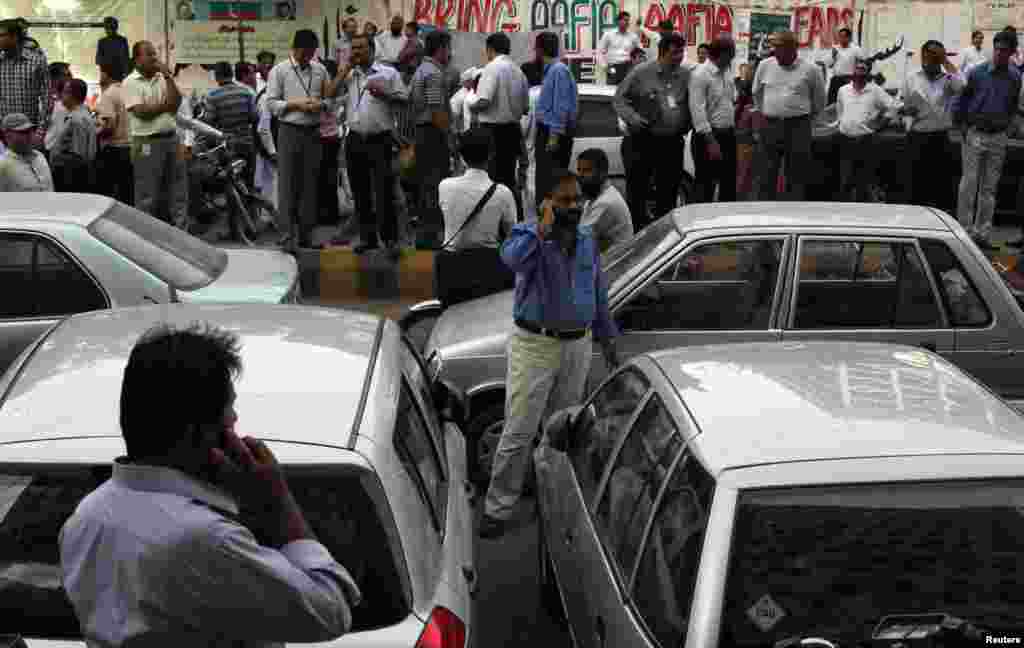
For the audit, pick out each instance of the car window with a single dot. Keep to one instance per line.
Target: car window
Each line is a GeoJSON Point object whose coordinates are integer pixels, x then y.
{"type": "Point", "coordinates": [41, 280]}
{"type": "Point", "coordinates": [665, 578]}
{"type": "Point", "coordinates": [419, 456]}
{"type": "Point", "coordinates": [640, 468]}
{"type": "Point", "coordinates": [601, 425]}
{"type": "Point", "coordinates": [725, 285]}
{"type": "Point", "coordinates": [852, 284]}
{"type": "Point", "coordinates": [647, 246]}
{"type": "Point", "coordinates": [965, 306]}
{"type": "Point", "coordinates": [831, 562]}
{"type": "Point", "coordinates": [174, 256]}
{"type": "Point", "coordinates": [413, 371]}
{"type": "Point", "coordinates": [597, 118]}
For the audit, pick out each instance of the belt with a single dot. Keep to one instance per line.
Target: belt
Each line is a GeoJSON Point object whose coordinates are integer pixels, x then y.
{"type": "Point", "coordinates": [302, 126]}
{"type": "Point", "coordinates": [162, 135]}
{"type": "Point", "coordinates": [368, 135]}
{"type": "Point", "coordinates": [990, 130]}
{"type": "Point", "coordinates": [785, 119]}
{"type": "Point", "coordinates": [567, 334]}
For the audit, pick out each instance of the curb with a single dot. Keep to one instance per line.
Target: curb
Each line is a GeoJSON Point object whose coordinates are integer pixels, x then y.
{"type": "Point", "coordinates": [339, 274]}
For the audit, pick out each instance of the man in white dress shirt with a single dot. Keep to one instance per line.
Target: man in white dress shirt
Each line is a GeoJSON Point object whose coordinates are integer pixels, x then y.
{"type": "Point", "coordinates": [788, 94]}
{"type": "Point", "coordinates": [973, 54]}
{"type": "Point", "coordinates": [843, 58]}
{"type": "Point", "coordinates": [459, 195]}
{"type": "Point", "coordinates": [616, 48]}
{"type": "Point", "coordinates": [388, 45]}
{"type": "Point", "coordinates": [861, 105]}
{"type": "Point", "coordinates": [503, 97]}
{"type": "Point", "coordinates": [712, 99]}
{"type": "Point", "coordinates": [157, 556]}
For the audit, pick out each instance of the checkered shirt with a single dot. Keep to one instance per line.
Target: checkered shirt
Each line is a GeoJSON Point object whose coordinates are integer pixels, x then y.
{"type": "Point", "coordinates": [24, 85]}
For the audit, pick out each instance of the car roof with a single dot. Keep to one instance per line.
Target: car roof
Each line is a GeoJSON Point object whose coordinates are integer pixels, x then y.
{"type": "Point", "coordinates": [302, 380]}
{"type": "Point", "coordinates": [763, 403]}
{"type": "Point", "coordinates": [806, 214]}
{"type": "Point", "coordinates": [67, 208]}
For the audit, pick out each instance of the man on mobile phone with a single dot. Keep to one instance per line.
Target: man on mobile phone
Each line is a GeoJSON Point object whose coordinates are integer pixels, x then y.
{"type": "Point", "coordinates": [561, 294]}
{"type": "Point", "coordinates": [156, 554]}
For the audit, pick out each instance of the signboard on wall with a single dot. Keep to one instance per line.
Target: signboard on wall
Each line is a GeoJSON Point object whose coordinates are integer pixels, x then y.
{"type": "Point", "coordinates": [213, 41]}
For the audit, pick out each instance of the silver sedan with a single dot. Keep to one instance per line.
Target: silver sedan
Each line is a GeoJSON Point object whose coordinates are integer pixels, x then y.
{"type": "Point", "coordinates": [70, 253]}
{"type": "Point", "coordinates": [370, 447]}
{"type": "Point", "coordinates": [745, 272]}
{"type": "Point", "coordinates": [770, 493]}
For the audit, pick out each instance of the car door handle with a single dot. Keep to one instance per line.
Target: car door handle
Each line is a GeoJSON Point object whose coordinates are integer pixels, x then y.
{"type": "Point", "coordinates": [569, 537]}
{"type": "Point", "coordinates": [470, 575]}
{"type": "Point", "coordinates": [599, 630]}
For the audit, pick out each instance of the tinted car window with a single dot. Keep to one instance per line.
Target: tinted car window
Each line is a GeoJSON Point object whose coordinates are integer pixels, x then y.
{"type": "Point", "coordinates": [647, 247]}
{"type": "Point", "coordinates": [830, 562]}
{"type": "Point", "coordinates": [727, 285]}
{"type": "Point", "coordinates": [418, 380]}
{"type": "Point", "coordinates": [34, 507]}
{"type": "Point", "coordinates": [418, 455]}
{"type": "Point", "coordinates": [174, 256]}
{"type": "Point", "coordinates": [667, 573]}
{"type": "Point", "coordinates": [600, 427]}
{"type": "Point", "coordinates": [41, 280]}
{"type": "Point", "coordinates": [640, 468]}
{"type": "Point", "coordinates": [848, 284]}
{"type": "Point", "coordinates": [597, 118]}
{"type": "Point", "coordinates": [965, 306]}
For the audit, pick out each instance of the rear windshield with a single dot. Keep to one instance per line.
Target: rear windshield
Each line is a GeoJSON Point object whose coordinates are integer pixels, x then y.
{"type": "Point", "coordinates": [832, 562]}
{"type": "Point", "coordinates": [179, 259]}
{"type": "Point", "coordinates": [34, 507]}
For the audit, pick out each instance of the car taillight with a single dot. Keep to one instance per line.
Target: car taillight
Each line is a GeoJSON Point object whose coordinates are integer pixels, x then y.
{"type": "Point", "coordinates": [444, 630]}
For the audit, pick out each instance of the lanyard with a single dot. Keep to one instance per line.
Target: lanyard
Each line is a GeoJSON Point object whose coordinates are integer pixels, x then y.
{"type": "Point", "coordinates": [305, 86]}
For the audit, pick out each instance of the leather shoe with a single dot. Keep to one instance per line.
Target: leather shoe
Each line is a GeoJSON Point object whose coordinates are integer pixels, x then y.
{"type": "Point", "coordinates": [491, 528]}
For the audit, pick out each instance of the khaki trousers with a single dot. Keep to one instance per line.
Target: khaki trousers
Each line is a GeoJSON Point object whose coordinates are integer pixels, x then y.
{"type": "Point", "coordinates": [544, 375]}
{"type": "Point", "coordinates": [983, 157]}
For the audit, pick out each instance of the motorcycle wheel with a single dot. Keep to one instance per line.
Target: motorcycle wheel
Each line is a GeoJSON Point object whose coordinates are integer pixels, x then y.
{"type": "Point", "coordinates": [238, 215]}
{"type": "Point", "coordinates": [263, 215]}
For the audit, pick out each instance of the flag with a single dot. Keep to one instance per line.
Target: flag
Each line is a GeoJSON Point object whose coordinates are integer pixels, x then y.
{"type": "Point", "coordinates": [236, 10]}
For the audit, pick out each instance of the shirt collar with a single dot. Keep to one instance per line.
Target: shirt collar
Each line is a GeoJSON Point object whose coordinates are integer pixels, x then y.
{"type": "Point", "coordinates": [299, 65]}
{"type": "Point", "coordinates": [161, 479]}
{"type": "Point", "coordinates": [477, 173]}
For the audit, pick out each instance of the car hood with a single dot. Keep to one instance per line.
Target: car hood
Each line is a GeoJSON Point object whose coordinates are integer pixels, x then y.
{"type": "Point", "coordinates": [477, 327]}
{"type": "Point", "coordinates": [251, 276]}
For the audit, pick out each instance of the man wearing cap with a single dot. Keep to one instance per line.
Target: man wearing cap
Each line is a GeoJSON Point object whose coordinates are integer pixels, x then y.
{"type": "Point", "coordinates": [152, 98]}
{"type": "Point", "coordinates": [460, 116]}
{"type": "Point", "coordinates": [23, 168]}
{"type": "Point", "coordinates": [24, 78]}
{"type": "Point", "coordinates": [113, 48]}
{"type": "Point", "coordinates": [296, 90]}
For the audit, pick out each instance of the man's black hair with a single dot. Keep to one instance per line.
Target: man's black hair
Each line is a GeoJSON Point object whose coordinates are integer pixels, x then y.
{"type": "Point", "coordinates": [436, 40]}
{"type": "Point", "coordinates": [666, 25]}
{"type": "Point", "coordinates": [79, 90]}
{"type": "Point", "coordinates": [222, 71]}
{"type": "Point", "coordinates": [704, 46]}
{"type": "Point", "coordinates": [262, 56]}
{"type": "Point", "coordinates": [242, 70]}
{"type": "Point", "coordinates": [598, 158]}
{"type": "Point", "coordinates": [849, 32]}
{"type": "Point", "coordinates": [415, 26]}
{"type": "Point", "coordinates": [977, 32]}
{"type": "Point", "coordinates": [1010, 28]}
{"type": "Point", "coordinates": [475, 146]}
{"type": "Point", "coordinates": [196, 364]}
{"type": "Point", "coordinates": [1007, 38]}
{"type": "Point", "coordinates": [305, 39]}
{"type": "Point", "coordinates": [113, 70]}
{"type": "Point", "coordinates": [558, 177]}
{"type": "Point", "coordinates": [622, 14]}
{"type": "Point", "coordinates": [331, 66]}
{"type": "Point", "coordinates": [931, 43]}
{"type": "Point", "coordinates": [13, 26]}
{"type": "Point", "coordinates": [499, 42]}
{"type": "Point", "coordinates": [547, 43]}
{"type": "Point", "coordinates": [720, 45]}
{"type": "Point", "coordinates": [58, 69]}
{"type": "Point", "coordinates": [669, 41]}
{"type": "Point", "coordinates": [111, 22]}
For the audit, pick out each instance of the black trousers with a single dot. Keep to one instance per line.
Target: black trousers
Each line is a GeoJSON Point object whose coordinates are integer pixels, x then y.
{"type": "Point", "coordinates": [114, 173]}
{"type": "Point", "coordinates": [506, 149]}
{"type": "Point", "coordinates": [790, 139]}
{"type": "Point", "coordinates": [657, 157]}
{"type": "Point", "coordinates": [837, 81]}
{"type": "Point", "coordinates": [715, 173]}
{"type": "Point", "coordinates": [932, 169]}
{"type": "Point", "coordinates": [548, 161]}
{"type": "Point", "coordinates": [330, 214]}
{"type": "Point", "coordinates": [433, 164]}
{"type": "Point", "coordinates": [858, 163]}
{"type": "Point", "coordinates": [369, 160]}
{"type": "Point", "coordinates": [71, 174]}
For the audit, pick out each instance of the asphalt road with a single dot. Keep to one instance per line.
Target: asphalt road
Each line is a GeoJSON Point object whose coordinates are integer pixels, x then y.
{"type": "Point", "coordinates": [507, 609]}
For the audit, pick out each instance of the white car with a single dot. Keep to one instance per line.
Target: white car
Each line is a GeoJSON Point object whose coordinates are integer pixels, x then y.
{"type": "Point", "coordinates": [70, 253]}
{"type": "Point", "coordinates": [371, 449]}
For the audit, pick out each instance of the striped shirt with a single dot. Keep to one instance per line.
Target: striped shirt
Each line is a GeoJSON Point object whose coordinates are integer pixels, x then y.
{"type": "Point", "coordinates": [78, 135]}
{"type": "Point", "coordinates": [428, 92]}
{"type": "Point", "coordinates": [231, 108]}
{"type": "Point", "coordinates": [25, 86]}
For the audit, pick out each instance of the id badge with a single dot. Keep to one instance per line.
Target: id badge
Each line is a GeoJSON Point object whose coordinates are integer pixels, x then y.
{"type": "Point", "coordinates": [671, 101]}
{"type": "Point", "coordinates": [147, 150]}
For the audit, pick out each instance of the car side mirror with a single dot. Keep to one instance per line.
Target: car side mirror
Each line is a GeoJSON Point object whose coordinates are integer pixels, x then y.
{"type": "Point", "coordinates": [451, 403]}
{"type": "Point", "coordinates": [559, 428]}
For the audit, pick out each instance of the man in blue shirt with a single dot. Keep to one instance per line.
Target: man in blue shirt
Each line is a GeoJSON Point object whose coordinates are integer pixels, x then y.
{"type": "Point", "coordinates": [984, 113]}
{"type": "Point", "coordinates": [556, 115]}
{"type": "Point", "coordinates": [561, 296]}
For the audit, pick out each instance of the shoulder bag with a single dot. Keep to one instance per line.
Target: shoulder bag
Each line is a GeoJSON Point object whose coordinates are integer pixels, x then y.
{"type": "Point", "coordinates": [462, 275]}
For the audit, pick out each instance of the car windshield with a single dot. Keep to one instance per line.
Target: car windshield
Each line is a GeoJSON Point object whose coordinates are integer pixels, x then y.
{"type": "Point", "coordinates": [650, 243]}
{"type": "Point", "coordinates": [832, 562]}
{"type": "Point", "coordinates": [181, 260]}
{"type": "Point", "coordinates": [35, 505]}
